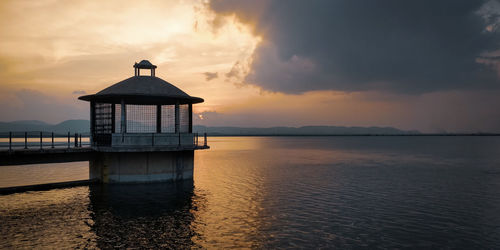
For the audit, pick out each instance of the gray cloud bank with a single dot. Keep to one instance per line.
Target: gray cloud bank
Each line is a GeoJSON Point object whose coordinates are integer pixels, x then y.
{"type": "Point", "coordinates": [410, 47]}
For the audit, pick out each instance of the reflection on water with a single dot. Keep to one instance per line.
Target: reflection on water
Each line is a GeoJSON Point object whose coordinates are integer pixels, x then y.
{"type": "Point", "coordinates": [139, 215]}
{"type": "Point", "coordinates": [285, 192]}
{"type": "Point", "coordinates": [49, 219]}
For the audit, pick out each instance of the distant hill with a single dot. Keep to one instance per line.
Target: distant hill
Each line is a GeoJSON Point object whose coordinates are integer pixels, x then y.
{"type": "Point", "coordinates": [78, 126]}
{"type": "Point", "coordinates": [83, 126]}
{"type": "Point", "coordinates": [306, 130]}
{"type": "Point", "coordinates": [73, 126]}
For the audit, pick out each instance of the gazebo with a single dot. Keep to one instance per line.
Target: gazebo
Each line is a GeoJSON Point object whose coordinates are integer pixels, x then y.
{"type": "Point", "coordinates": [143, 117]}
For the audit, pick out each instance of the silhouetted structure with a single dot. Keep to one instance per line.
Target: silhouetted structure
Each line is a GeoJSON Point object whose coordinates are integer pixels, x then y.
{"type": "Point", "coordinates": [141, 128]}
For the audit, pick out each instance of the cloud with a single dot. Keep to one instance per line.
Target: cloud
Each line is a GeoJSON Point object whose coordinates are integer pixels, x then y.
{"type": "Point", "coordinates": [211, 75]}
{"type": "Point", "coordinates": [79, 92]}
{"type": "Point", "coordinates": [410, 47]}
{"type": "Point", "coordinates": [236, 71]}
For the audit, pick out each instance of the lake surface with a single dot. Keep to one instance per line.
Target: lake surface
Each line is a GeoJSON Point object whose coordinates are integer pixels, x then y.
{"type": "Point", "coordinates": [276, 192]}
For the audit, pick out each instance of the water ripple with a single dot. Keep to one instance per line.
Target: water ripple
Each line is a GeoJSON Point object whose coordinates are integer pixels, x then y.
{"type": "Point", "coordinates": [287, 192]}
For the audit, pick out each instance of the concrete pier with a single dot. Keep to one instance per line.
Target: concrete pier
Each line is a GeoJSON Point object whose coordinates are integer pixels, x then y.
{"type": "Point", "coordinates": [133, 167]}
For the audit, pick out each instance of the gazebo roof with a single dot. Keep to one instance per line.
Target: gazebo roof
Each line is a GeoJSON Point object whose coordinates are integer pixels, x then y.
{"type": "Point", "coordinates": [142, 90]}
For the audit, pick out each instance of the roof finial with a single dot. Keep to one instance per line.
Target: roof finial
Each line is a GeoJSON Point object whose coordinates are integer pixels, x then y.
{"type": "Point", "coordinates": [144, 64]}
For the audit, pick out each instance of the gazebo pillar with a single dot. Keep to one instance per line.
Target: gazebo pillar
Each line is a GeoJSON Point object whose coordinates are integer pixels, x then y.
{"type": "Point", "coordinates": [190, 118]}
{"type": "Point", "coordinates": [158, 118]}
{"type": "Point", "coordinates": [124, 117]}
{"type": "Point", "coordinates": [177, 118]}
{"type": "Point", "coordinates": [92, 122]}
{"type": "Point", "coordinates": [113, 118]}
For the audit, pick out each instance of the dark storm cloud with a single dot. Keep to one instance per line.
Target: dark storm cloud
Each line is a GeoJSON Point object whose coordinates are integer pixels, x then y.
{"type": "Point", "coordinates": [403, 46]}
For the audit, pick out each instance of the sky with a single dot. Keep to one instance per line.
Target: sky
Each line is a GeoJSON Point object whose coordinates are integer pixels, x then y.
{"type": "Point", "coordinates": [432, 66]}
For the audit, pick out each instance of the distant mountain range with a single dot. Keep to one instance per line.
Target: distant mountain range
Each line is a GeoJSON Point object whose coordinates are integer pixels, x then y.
{"type": "Point", "coordinates": [306, 130]}
{"type": "Point", "coordinates": [73, 126]}
{"type": "Point", "coordinates": [83, 126]}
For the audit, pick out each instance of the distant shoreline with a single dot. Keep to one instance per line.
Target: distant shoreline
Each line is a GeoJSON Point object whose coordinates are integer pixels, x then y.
{"type": "Point", "coordinates": [333, 135]}
{"type": "Point", "coordinates": [47, 135]}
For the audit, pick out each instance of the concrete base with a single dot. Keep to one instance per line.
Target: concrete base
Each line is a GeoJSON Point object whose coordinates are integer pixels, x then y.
{"type": "Point", "coordinates": [135, 167]}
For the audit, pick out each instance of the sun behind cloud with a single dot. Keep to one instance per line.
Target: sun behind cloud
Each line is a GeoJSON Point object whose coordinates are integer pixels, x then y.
{"type": "Point", "coordinates": [58, 48]}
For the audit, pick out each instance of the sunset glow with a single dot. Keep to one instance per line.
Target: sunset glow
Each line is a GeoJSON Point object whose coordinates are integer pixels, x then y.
{"type": "Point", "coordinates": [53, 51]}
{"type": "Point", "coordinates": [249, 124]}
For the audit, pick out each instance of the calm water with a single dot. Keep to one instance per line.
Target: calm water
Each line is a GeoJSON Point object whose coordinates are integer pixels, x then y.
{"type": "Point", "coordinates": [277, 192]}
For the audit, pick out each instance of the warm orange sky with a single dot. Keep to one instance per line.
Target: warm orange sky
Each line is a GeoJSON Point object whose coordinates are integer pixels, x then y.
{"type": "Point", "coordinates": [52, 51]}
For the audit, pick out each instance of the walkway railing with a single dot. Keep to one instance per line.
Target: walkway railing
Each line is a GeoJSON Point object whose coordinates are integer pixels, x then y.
{"type": "Point", "coordinates": [41, 140]}
{"type": "Point", "coordinates": [196, 140]}
{"type": "Point", "coordinates": [130, 140]}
